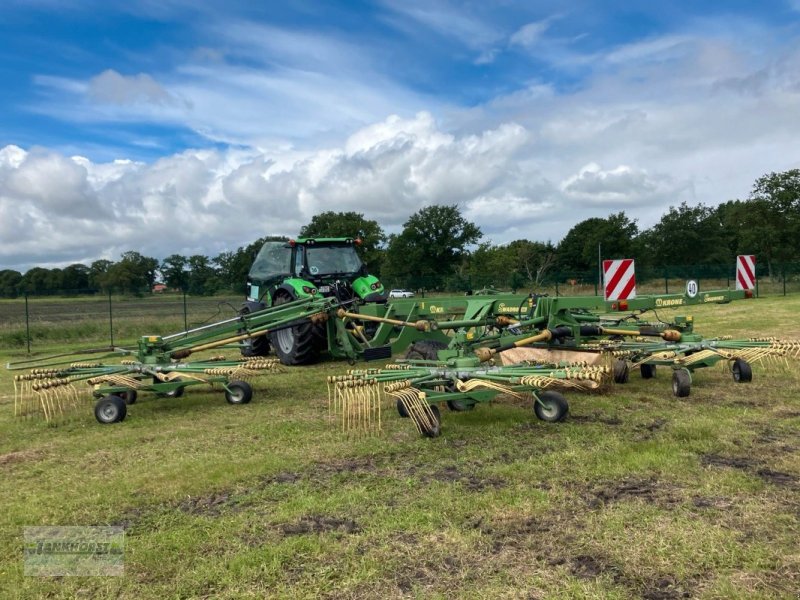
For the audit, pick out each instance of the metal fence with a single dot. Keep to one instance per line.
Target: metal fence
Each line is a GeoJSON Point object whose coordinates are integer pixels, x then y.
{"type": "Point", "coordinates": [82, 317]}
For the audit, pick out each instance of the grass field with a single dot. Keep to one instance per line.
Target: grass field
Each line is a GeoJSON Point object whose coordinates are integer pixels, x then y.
{"type": "Point", "coordinates": [636, 495]}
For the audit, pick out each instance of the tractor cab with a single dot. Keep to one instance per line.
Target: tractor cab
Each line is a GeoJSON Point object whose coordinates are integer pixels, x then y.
{"type": "Point", "coordinates": [306, 267]}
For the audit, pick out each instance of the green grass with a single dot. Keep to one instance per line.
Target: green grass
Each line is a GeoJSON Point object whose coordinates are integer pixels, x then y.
{"type": "Point", "coordinates": [637, 495]}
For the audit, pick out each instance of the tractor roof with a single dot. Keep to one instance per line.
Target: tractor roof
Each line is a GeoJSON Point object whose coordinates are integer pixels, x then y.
{"type": "Point", "coordinates": [325, 240]}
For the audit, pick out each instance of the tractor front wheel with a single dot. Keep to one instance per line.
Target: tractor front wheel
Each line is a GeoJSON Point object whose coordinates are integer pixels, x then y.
{"type": "Point", "coordinates": [238, 392]}
{"type": "Point", "coordinates": [550, 406]}
{"type": "Point", "coordinates": [681, 383]}
{"type": "Point", "coordinates": [742, 371]}
{"type": "Point", "coordinates": [110, 409]}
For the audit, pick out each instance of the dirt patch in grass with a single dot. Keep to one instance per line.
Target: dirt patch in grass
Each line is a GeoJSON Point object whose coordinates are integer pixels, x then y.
{"type": "Point", "coordinates": [595, 417]}
{"type": "Point", "coordinates": [319, 524]}
{"type": "Point", "coordinates": [212, 505]}
{"type": "Point", "coordinates": [652, 491]}
{"type": "Point", "coordinates": [666, 588]}
{"type": "Point", "coordinates": [20, 456]}
{"type": "Point", "coordinates": [751, 466]}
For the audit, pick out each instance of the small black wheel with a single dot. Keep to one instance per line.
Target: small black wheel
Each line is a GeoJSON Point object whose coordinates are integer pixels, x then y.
{"type": "Point", "coordinates": [621, 371]}
{"type": "Point", "coordinates": [176, 393]}
{"type": "Point", "coordinates": [681, 383]}
{"type": "Point", "coordinates": [460, 405]}
{"type": "Point", "coordinates": [401, 409]}
{"type": "Point", "coordinates": [647, 371]}
{"type": "Point", "coordinates": [550, 406]}
{"type": "Point", "coordinates": [436, 430]}
{"type": "Point", "coordinates": [414, 355]}
{"type": "Point", "coordinates": [238, 392]}
{"type": "Point", "coordinates": [110, 409]}
{"type": "Point", "coordinates": [129, 396]}
{"type": "Point", "coordinates": [742, 371]}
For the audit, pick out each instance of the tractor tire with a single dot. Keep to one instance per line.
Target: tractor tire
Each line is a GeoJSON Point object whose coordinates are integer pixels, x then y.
{"type": "Point", "coordinates": [551, 407]}
{"type": "Point", "coordinates": [460, 405]}
{"type": "Point", "coordinates": [402, 410]}
{"type": "Point", "coordinates": [238, 392]}
{"type": "Point", "coordinates": [258, 346]}
{"type": "Point", "coordinates": [681, 383]}
{"type": "Point", "coordinates": [742, 371]}
{"type": "Point", "coordinates": [111, 409]}
{"type": "Point", "coordinates": [424, 350]}
{"type": "Point", "coordinates": [299, 344]}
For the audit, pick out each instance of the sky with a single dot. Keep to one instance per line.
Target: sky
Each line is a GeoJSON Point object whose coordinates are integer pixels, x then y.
{"type": "Point", "coordinates": [170, 126]}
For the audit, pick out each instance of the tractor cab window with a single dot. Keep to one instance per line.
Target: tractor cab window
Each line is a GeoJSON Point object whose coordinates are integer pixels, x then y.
{"type": "Point", "coordinates": [332, 260]}
{"type": "Point", "coordinates": [273, 261]}
{"type": "Point", "coordinates": [300, 261]}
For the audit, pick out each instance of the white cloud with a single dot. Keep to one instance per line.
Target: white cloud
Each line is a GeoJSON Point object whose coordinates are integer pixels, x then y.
{"type": "Point", "coordinates": [529, 34]}
{"type": "Point", "coordinates": [112, 88]}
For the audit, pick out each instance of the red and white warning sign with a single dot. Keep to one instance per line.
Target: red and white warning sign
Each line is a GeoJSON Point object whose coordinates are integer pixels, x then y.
{"type": "Point", "coordinates": [745, 272]}
{"type": "Point", "coordinates": [619, 279]}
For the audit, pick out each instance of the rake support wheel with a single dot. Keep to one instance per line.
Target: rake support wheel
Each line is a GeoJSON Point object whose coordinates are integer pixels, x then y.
{"type": "Point", "coordinates": [742, 371]}
{"type": "Point", "coordinates": [238, 392]}
{"type": "Point", "coordinates": [110, 409]}
{"type": "Point", "coordinates": [681, 383]}
{"type": "Point", "coordinates": [550, 406]}
{"type": "Point", "coordinates": [621, 371]}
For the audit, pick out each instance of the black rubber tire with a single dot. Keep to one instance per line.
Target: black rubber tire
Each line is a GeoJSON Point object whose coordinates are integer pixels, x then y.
{"type": "Point", "coordinates": [681, 383]}
{"type": "Point", "coordinates": [424, 350]}
{"type": "Point", "coordinates": [436, 431]}
{"type": "Point", "coordinates": [622, 371]}
{"type": "Point", "coordinates": [297, 345]}
{"type": "Point", "coordinates": [110, 409]}
{"type": "Point", "coordinates": [240, 392]}
{"type": "Point", "coordinates": [551, 407]}
{"type": "Point", "coordinates": [129, 396]}
{"type": "Point", "coordinates": [401, 409]}
{"type": "Point", "coordinates": [460, 405]}
{"type": "Point", "coordinates": [742, 371]}
{"type": "Point", "coordinates": [258, 346]}
{"type": "Point", "coordinates": [647, 371]}
{"type": "Point", "coordinates": [176, 393]}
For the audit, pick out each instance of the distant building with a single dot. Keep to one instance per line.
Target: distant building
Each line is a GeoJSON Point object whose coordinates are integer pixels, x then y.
{"type": "Point", "coordinates": [159, 288]}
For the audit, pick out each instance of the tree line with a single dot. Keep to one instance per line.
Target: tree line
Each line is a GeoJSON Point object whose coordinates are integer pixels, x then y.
{"type": "Point", "coordinates": [440, 249]}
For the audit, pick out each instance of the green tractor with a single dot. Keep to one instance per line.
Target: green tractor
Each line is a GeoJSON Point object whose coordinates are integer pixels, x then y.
{"type": "Point", "coordinates": [303, 268]}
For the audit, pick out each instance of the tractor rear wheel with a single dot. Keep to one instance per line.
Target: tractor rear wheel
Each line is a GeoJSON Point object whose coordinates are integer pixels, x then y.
{"type": "Point", "coordinates": [111, 409]}
{"type": "Point", "coordinates": [551, 407]}
{"type": "Point", "coordinates": [299, 344]}
{"type": "Point", "coordinates": [742, 371]}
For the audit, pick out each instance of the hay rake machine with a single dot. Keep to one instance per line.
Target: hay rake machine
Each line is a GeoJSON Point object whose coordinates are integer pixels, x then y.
{"type": "Point", "coordinates": [158, 365]}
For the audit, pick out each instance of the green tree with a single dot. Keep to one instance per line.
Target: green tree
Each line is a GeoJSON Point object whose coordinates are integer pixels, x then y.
{"type": "Point", "coordinates": [75, 277]}
{"type": "Point", "coordinates": [174, 273]}
{"type": "Point", "coordinates": [10, 281]}
{"type": "Point", "coordinates": [97, 273]}
{"type": "Point", "coordinates": [433, 244]}
{"type": "Point", "coordinates": [616, 236]}
{"type": "Point", "coordinates": [202, 276]}
{"type": "Point", "coordinates": [687, 235]}
{"type": "Point", "coordinates": [771, 218]}
{"type": "Point", "coordinates": [133, 274]}
{"type": "Point", "coordinates": [350, 224]}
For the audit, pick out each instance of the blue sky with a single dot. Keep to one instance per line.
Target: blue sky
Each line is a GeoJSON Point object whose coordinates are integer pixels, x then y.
{"type": "Point", "coordinates": [197, 127]}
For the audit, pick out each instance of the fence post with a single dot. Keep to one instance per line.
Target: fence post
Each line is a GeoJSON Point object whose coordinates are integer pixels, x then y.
{"type": "Point", "coordinates": [556, 288]}
{"type": "Point", "coordinates": [784, 279]}
{"type": "Point", "coordinates": [185, 314]}
{"type": "Point", "coordinates": [110, 319]}
{"type": "Point", "coordinates": [27, 324]}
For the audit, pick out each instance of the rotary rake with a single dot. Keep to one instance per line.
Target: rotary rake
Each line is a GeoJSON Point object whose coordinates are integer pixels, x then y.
{"type": "Point", "coordinates": [49, 388]}
{"type": "Point", "coordinates": [358, 399]}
